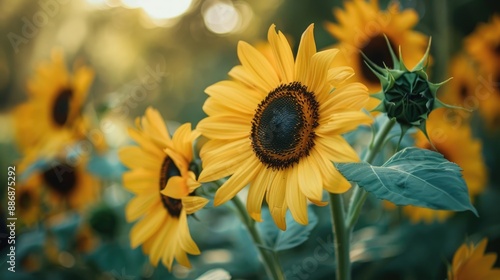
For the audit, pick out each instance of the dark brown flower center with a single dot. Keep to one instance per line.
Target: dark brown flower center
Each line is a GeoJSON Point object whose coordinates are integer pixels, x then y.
{"type": "Point", "coordinates": [376, 50]}
{"type": "Point", "coordinates": [463, 91]}
{"type": "Point", "coordinates": [60, 111]}
{"type": "Point", "coordinates": [283, 126]}
{"type": "Point", "coordinates": [61, 178]}
{"type": "Point", "coordinates": [25, 199]}
{"type": "Point", "coordinates": [168, 170]}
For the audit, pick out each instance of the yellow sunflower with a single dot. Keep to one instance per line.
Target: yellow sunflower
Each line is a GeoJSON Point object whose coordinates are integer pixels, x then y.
{"type": "Point", "coordinates": [457, 145]}
{"type": "Point", "coordinates": [28, 200]}
{"type": "Point", "coordinates": [361, 27]}
{"type": "Point", "coordinates": [163, 186]}
{"type": "Point", "coordinates": [69, 185]}
{"type": "Point", "coordinates": [471, 263]}
{"type": "Point", "coordinates": [484, 45]}
{"type": "Point", "coordinates": [278, 127]}
{"type": "Point", "coordinates": [51, 118]}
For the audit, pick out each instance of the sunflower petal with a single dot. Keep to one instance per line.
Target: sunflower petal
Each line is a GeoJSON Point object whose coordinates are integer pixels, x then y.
{"type": "Point", "coordinates": [307, 48]}
{"type": "Point", "coordinates": [193, 203]}
{"type": "Point", "coordinates": [244, 175]}
{"type": "Point", "coordinates": [282, 53]}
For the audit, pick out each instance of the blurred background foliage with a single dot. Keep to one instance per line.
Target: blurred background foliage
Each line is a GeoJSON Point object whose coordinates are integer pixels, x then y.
{"type": "Point", "coordinates": [183, 46]}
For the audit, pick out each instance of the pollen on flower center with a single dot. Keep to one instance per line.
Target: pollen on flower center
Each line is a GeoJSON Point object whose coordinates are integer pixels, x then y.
{"type": "Point", "coordinates": [61, 178]}
{"type": "Point", "coordinates": [283, 126]}
{"type": "Point", "coordinates": [376, 49]}
{"type": "Point", "coordinates": [60, 111]}
{"type": "Point", "coordinates": [168, 170]}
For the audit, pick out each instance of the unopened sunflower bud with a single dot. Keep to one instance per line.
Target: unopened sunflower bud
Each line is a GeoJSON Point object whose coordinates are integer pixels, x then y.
{"type": "Point", "coordinates": [407, 95]}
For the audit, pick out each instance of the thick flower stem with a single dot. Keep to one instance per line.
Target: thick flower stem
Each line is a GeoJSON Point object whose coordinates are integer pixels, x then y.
{"type": "Point", "coordinates": [269, 258]}
{"type": "Point", "coordinates": [341, 235]}
{"type": "Point", "coordinates": [342, 224]}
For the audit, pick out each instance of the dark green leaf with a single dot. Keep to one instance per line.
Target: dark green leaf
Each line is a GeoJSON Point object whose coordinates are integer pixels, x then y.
{"type": "Point", "coordinates": [413, 176]}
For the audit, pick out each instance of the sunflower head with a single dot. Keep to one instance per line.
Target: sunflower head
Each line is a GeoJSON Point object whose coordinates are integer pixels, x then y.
{"type": "Point", "coordinates": [163, 186]}
{"type": "Point", "coordinates": [407, 95]}
{"type": "Point", "coordinates": [471, 262]}
{"type": "Point", "coordinates": [277, 126]}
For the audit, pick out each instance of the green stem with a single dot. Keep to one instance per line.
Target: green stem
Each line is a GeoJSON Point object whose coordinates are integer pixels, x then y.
{"type": "Point", "coordinates": [359, 195]}
{"type": "Point", "coordinates": [442, 43]}
{"type": "Point", "coordinates": [269, 257]}
{"type": "Point", "coordinates": [341, 235]}
{"type": "Point", "coordinates": [342, 225]}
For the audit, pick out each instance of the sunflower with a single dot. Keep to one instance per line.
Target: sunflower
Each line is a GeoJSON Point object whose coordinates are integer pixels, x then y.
{"type": "Point", "coordinates": [51, 118]}
{"type": "Point", "coordinates": [484, 45]}
{"type": "Point", "coordinates": [163, 186]}
{"type": "Point", "coordinates": [471, 263]}
{"type": "Point", "coordinates": [68, 185]}
{"type": "Point", "coordinates": [28, 200]}
{"type": "Point", "coordinates": [361, 27]}
{"type": "Point", "coordinates": [457, 145]}
{"type": "Point", "coordinates": [278, 128]}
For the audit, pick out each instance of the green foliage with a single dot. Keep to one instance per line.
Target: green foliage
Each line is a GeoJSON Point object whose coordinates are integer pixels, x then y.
{"type": "Point", "coordinates": [413, 176]}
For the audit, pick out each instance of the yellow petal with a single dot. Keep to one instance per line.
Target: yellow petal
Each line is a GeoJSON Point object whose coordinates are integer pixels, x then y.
{"type": "Point", "coordinates": [343, 122]}
{"type": "Point", "coordinates": [309, 179]}
{"type": "Point", "coordinates": [275, 197]}
{"type": "Point", "coordinates": [336, 149]}
{"type": "Point", "coordinates": [134, 157]}
{"type": "Point", "coordinates": [282, 53]}
{"type": "Point", "coordinates": [220, 167]}
{"type": "Point", "coordinates": [183, 141]}
{"type": "Point", "coordinates": [295, 199]}
{"type": "Point", "coordinates": [256, 193]}
{"type": "Point", "coordinates": [193, 203]}
{"type": "Point", "coordinates": [318, 70]}
{"type": "Point", "coordinates": [147, 226]}
{"type": "Point", "coordinates": [244, 175]}
{"type": "Point", "coordinates": [140, 181]}
{"type": "Point", "coordinates": [235, 95]}
{"type": "Point", "coordinates": [155, 124]}
{"type": "Point", "coordinates": [176, 188]}
{"type": "Point", "coordinates": [258, 66]}
{"type": "Point", "coordinates": [225, 127]}
{"type": "Point", "coordinates": [307, 48]}
{"type": "Point", "coordinates": [185, 240]}
{"type": "Point", "coordinates": [140, 205]}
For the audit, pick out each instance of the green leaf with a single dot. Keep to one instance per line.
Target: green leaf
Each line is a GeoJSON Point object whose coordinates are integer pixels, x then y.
{"type": "Point", "coordinates": [293, 236]}
{"type": "Point", "coordinates": [413, 176]}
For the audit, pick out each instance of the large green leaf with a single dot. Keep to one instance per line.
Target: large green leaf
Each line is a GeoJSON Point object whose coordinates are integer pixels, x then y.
{"type": "Point", "coordinates": [413, 176]}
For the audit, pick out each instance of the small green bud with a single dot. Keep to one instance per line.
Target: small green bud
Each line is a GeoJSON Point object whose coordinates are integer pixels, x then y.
{"type": "Point", "coordinates": [407, 96]}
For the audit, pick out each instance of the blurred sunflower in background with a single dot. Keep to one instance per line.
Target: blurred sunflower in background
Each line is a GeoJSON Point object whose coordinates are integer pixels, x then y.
{"type": "Point", "coordinates": [278, 127]}
{"type": "Point", "coordinates": [483, 45]}
{"type": "Point", "coordinates": [51, 117]}
{"type": "Point", "coordinates": [457, 145]}
{"type": "Point", "coordinates": [471, 263]}
{"type": "Point", "coordinates": [163, 187]}
{"type": "Point", "coordinates": [28, 200]}
{"type": "Point", "coordinates": [361, 27]}
{"type": "Point", "coordinates": [69, 186]}
{"type": "Point", "coordinates": [462, 89]}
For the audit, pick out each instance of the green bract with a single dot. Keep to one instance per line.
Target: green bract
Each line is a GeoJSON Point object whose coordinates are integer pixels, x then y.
{"type": "Point", "coordinates": [406, 96]}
